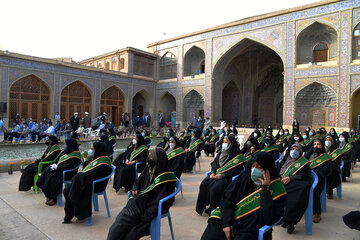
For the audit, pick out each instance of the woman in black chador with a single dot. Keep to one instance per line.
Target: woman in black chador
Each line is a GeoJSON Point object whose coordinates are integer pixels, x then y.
{"type": "Point", "coordinates": [51, 153]}
{"type": "Point", "coordinates": [78, 193]}
{"type": "Point", "coordinates": [259, 185]}
{"type": "Point", "coordinates": [125, 168]}
{"type": "Point", "coordinates": [227, 163]}
{"type": "Point", "coordinates": [176, 155]}
{"type": "Point", "coordinates": [108, 146]}
{"type": "Point", "coordinates": [295, 174]}
{"type": "Point", "coordinates": [193, 146]}
{"type": "Point", "coordinates": [154, 183]}
{"type": "Point", "coordinates": [51, 179]}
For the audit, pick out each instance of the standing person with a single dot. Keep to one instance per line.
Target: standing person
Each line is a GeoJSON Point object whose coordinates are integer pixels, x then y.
{"type": "Point", "coordinates": [16, 118]}
{"type": "Point", "coordinates": [74, 122]}
{"type": "Point", "coordinates": [148, 120]}
{"type": "Point", "coordinates": [154, 183]}
{"type": "Point", "coordinates": [87, 121]}
{"type": "Point", "coordinates": [57, 117]}
{"type": "Point", "coordinates": [1, 125]}
{"type": "Point", "coordinates": [161, 121]}
{"type": "Point", "coordinates": [127, 120]}
{"type": "Point", "coordinates": [194, 122]}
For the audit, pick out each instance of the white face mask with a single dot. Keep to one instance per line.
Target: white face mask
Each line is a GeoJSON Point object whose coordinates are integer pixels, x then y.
{"type": "Point", "coordinates": [255, 134]}
{"type": "Point", "coordinates": [294, 154]}
{"type": "Point", "coordinates": [311, 134]}
{"type": "Point", "coordinates": [304, 137]}
{"type": "Point", "coordinates": [281, 133]}
{"type": "Point", "coordinates": [134, 141]}
{"type": "Point", "coordinates": [286, 133]}
{"type": "Point", "coordinates": [143, 134]}
{"type": "Point", "coordinates": [328, 143]}
{"type": "Point", "coordinates": [224, 146]}
{"type": "Point", "coordinates": [341, 139]}
{"type": "Point", "coordinates": [91, 153]}
{"type": "Point", "coordinates": [171, 145]}
{"type": "Point", "coordinates": [296, 138]}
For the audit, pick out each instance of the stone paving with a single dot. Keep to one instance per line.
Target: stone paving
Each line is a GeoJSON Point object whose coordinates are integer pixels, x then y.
{"type": "Point", "coordinates": [24, 215]}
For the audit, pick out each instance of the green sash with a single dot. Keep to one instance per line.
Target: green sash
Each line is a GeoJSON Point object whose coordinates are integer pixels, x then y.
{"type": "Point", "coordinates": [271, 148]}
{"type": "Point", "coordinates": [137, 152]}
{"type": "Point", "coordinates": [194, 144]}
{"type": "Point", "coordinates": [261, 138]}
{"type": "Point", "coordinates": [78, 142]}
{"type": "Point", "coordinates": [65, 157]}
{"type": "Point", "coordinates": [185, 136]}
{"type": "Point", "coordinates": [97, 162]}
{"type": "Point", "coordinates": [54, 148]}
{"type": "Point", "coordinates": [295, 167]}
{"type": "Point", "coordinates": [236, 161]}
{"type": "Point", "coordinates": [160, 179]}
{"type": "Point", "coordinates": [354, 139]}
{"type": "Point", "coordinates": [319, 160]}
{"type": "Point", "coordinates": [113, 138]}
{"type": "Point", "coordinates": [307, 141]}
{"type": "Point", "coordinates": [175, 152]}
{"type": "Point", "coordinates": [281, 139]}
{"type": "Point", "coordinates": [338, 152]}
{"type": "Point", "coordinates": [251, 203]}
{"type": "Point", "coordinates": [214, 137]}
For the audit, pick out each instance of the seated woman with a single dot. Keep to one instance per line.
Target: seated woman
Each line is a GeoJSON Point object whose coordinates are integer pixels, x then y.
{"type": "Point", "coordinates": [154, 183]}
{"type": "Point", "coordinates": [226, 165]}
{"type": "Point", "coordinates": [146, 137]}
{"type": "Point", "coordinates": [235, 218]}
{"type": "Point", "coordinates": [112, 138]}
{"type": "Point", "coordinates": [333, 180]}
{"type": "Point", "coordinates": [78, 193]}
{"type": "Point", "coordinates": [51, 180]}
{"type": "Point", "coordinates": [209, 147]}
{"type": "Point", "coordinates": [192, 146]}
{"type": "Point", "coordinates": [51, 153]}
{"type": "Point", "coordinates": [268, 145]}
{"type": "Point", "coordinates": [320, 162]}
{"type": "Point", "coordinates": [176, 155]}
{"type": "Point", "coordinates": [296, 176]}
{"type": "Point", "coordinates": [348, 156]}
{"type": "Point", "coordinates": [108, 146]}
{"type": "Point", "coordinates": [125, 170]}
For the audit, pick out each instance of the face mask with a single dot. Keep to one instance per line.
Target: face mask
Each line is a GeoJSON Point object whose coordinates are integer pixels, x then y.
{"type": "Point", "coordinates": [171, 145]}
{"type": "Point", "coordinates": [307, 129]}
{"type": "Point", "coordinates": [143, 134]}
{"type": "Point", "coordinates": [192, 138]}
{"type": "Point", "coordinates": [341, 139]}
{"type": "Point", "coordinates": [213, 133]}
{"type": "Point", "coordinates": [134, 141]}
{"type": "Point", "coordinates": [224, 146]}
{"type": "Point", "coordinates": [304, 137]}
{"type": "Point", "coordinates": [281, 133]}
{"type": "Point", "coordinates": [255, 175]}
{"type": "Point", "coordinates": [294, 154]}
{"type": "Point", "coordinates": [255, 135]}
{"type": "Point", "coordinates": [328, 143]}
{"type": "Point", "coordinates": [286, 133]}
{"type": "Point", "coordinates": [91, 153]}
{"type": "Point", "coordinates": [296, 138]}
{"type": "Point", "coordinates": [310, 134]}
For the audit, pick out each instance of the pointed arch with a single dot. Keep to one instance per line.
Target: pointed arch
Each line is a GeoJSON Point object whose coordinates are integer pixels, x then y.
{"type": "Point", "coordinates": [142, 102]}
{"type": "Point", "coordinates": [193, 105]}
{"type": "Point", "coordinates": [356, 42]}
{"type": "Point", "coordinates": [168, 66]}
{"type": "Point", "coordinates": [30, 97]}
{"type": "Point", "coordinates": [113, 103]}
{"type": "Point", "coordinates": [231, 102]}
{"type": "Point", "coordinates": [167, 105]}
{"type": "Point", "coordinates": [75, 97]}
{"type": "Point", "coordinates": [192, 61]}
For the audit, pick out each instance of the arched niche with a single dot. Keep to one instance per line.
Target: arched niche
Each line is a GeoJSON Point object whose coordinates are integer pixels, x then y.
{"type": "Point", "coordinates": [193, 59]}
{"type": "Point", "coordinates": [113, 102]}
{"type": "Point", "coordinates": [193, 105]}
{"type": "Point", "coordinates": [167, 105]}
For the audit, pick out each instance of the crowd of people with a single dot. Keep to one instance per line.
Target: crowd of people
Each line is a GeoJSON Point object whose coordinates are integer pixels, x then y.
{"type": "Point", "coordinates": [265, 179]}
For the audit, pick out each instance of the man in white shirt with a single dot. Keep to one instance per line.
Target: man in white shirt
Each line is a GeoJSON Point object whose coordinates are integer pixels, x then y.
{"type": "Point", "coordinates": [47, 132]}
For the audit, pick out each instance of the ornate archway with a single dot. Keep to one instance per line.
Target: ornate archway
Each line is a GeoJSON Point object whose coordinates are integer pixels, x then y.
{"type": "Point", "coordinates": [75, 97]}
{"type": "Point", "coordinates": [30, 97]}
{"type": "Point", "coordinates": [113, 102]}
{"type": "Point", "coordinates": [193, 105]}
{"type": "Point", "coordinates": [167, 105]}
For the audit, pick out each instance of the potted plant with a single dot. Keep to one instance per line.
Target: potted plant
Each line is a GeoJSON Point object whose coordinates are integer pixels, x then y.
{"type": "Point", "coordinates": [11, 166]}
{"type": "Point", "coordinates": [22, 166]}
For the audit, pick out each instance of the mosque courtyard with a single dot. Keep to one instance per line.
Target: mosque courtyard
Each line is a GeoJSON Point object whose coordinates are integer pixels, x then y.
{"type": "Point", "coordinates": [24, 215]}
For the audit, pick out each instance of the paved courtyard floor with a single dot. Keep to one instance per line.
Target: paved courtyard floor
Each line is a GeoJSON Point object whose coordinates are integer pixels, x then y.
{"type": "Point", "coordinates": [24, 215]}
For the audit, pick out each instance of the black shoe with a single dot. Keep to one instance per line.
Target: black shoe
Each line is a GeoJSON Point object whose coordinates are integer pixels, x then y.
{"type": "Point", "coordinates": [284, 224]}
{"type": "Point", "coordinates": [207, 211]}
{"type": "Point", "coordinates": [66, 222]}
{"type": "Point", "coordinates": [199, 212]}
{"type": "Point", "coordinates": [290, 228]}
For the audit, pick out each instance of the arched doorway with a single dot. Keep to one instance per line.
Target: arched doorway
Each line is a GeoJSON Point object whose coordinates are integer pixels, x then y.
{"type": "Point", "coordinates": [194, 62]}
{"type": "Point", "coordinates": [30, 97]}
{"type": "Point", "coordinates": [193, 105]}
{"type": "Point", "coordinates": [231, 102]}
{"type": "Point", "coordinates": [142, 103]}
{"type": "Point", "coordinates": [167, 105]}
{"type": "Point", "coordinates": [316, 106]}
{"type": "Point", "coordinates": [75, 97]}
{"type": "Point", "coordinates": [256, 71]}
{"type": "Point", "coordinates": [355, 109]}
{"type": "Point", "coordinates": [112, 102]}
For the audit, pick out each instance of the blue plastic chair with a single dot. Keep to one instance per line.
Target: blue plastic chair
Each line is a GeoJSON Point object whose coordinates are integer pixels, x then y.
{"type": "Point", "coordinates": [277, 160]}
{"type": "Point", "coordinates": [112, 153]}
{"type": "Point", "coordinates": [339, 188]}
{"type": "Point", "coordinates": [94, 196]}
{"type": "Point", "coordinates": [156, 222]}
{"type": "Point", "coordinates": [323, 197]}
{"type": "Point", "coordinates": [59, 197]}
{"type": "Point", "coordinates": [308, 212]}
{"type": "Point", "coordinates": [136, 168]}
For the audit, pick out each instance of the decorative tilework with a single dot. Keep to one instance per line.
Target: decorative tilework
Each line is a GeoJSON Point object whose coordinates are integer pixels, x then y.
{"type": "Point", "coordinates": [194, 82]}
{"type": "Point", "coordinates": [316, 72]}
{"type": "Point", "coordinates": [200, 90]}
{"type": "Point", "coordinates": [166, 85]}
{"type": "Point", "coordinates": [355, 83]}
{"type": "Point", "coordinates": [345, 42]}
{"type": "Point", "coordinates": [17, 73]}
{"type": "Point", "coordinates": [332, 116]}
{"type": "Point", "coordinates": [289, 79]}
{"type": "Point", "coordinates": [57, 94]}
{"type": "Point", "coordinates": [355, 69]}
{"type": "Point", "coordinates": [68, 79]}
{"type": "Point", "coordinates": [4, 84]}
{"type": "Point", "coordinates": [330, 82]}
{"type": "Point", "coordinates": [356, 17]}
{"type": "Point", "coordinates": [208, 94]}
{"type": "Point", "coordinates": [331, 20]}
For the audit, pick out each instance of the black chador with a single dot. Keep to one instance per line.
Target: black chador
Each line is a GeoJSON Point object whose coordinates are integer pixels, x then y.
{"type": "Point", "coordinates": [210, 140]}
{"type": "Point", "coordinates": [78, 193]}
{"type": "Point", "coordinates": [193, 145]}
{"type": "Point", "coordinates": [51, 153]}
{"type": "Point", "coordinates": [176, 155]}
{"type": "Point", "coordinates": [267, 203]}
{"type": "Point", "coordinates": [125, 168]}
{"type": "Point", "coordinates": [154, 183]}
{"type": "Point", "coordinates": [227, 163]}
{"type": "Point", "coordinates": [51, 179]}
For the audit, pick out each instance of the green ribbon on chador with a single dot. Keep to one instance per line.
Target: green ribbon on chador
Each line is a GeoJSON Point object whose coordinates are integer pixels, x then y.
{"type": "Point", "coordinates": [175, 152]}
{"type": "Point", "coordinates": [261, 138]}
{"type": "Point", "coordinates": [319, 160]}
{"type": "Point", "coordinates": [113, 138]}
{"type": "Point", "coordinates": [53, 149]}
{"type": "Point", "coordinates": [251, 203]}
{"type": "Point", "coordinates": [185, 136]}
{"type": "Point", "coordinates": [271, 148]}
{"type": "Point", "coordinates": [354, 139]}
{"type": "Point", "coordinates": [104, 160]}
{"type": "Point", "coordinates": [214, 137]}
{"type": "Point", "coordinates": [195, 144]}
{"type": "Point", "coordinates": [137, 151]}
{"type": "Point", "coordinates": [307, 141]}
{"type": "Point", "coordinates": [281, 139]}
{"type": "Point", "coordinates": [236, 161]}
{"type": "Point", "coordinates": [65, 157]}
{"type": "Point", "coordinates": [338, 152]}
{"type": "Point", "coordinates": [160, 179]}
{"type": "Point", "coordinates": [295, 167]}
